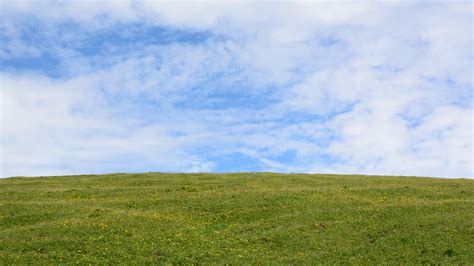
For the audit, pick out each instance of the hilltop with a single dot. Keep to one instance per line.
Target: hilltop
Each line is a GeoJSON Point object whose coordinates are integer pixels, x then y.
{"type": "Point", "coordinates": [236, 218]}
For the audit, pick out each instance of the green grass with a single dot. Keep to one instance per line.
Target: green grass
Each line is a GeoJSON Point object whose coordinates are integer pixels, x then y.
{"type": "Point", "coordinates": [245, 218]}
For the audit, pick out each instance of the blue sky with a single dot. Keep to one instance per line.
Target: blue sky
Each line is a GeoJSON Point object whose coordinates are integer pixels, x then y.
{"type": "Point", "coordinates": [318, 87]}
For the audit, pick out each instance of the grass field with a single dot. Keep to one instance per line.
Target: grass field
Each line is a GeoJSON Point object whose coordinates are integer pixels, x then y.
{"type": "Point", "coordinates": [245, 218]}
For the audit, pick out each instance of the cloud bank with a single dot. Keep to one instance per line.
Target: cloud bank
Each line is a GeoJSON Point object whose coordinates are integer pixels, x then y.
{"type": "Point", "coordinates": [319, 87]}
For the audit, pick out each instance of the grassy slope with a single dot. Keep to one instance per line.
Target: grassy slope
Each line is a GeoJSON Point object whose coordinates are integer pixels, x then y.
{"type": "Point", "coordinates": [236, 218]}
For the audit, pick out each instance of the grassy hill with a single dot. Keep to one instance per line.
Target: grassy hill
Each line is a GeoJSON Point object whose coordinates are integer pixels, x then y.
{"type": "Point", "coordinates": [236, 218]}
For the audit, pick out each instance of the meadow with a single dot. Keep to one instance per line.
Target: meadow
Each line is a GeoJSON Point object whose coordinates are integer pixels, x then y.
{"type": "Point", "coordinates": [242, 218]}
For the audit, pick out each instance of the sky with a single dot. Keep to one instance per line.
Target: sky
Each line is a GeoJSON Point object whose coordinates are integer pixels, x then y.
{"type": "Point", "coordinates": [363, 87]}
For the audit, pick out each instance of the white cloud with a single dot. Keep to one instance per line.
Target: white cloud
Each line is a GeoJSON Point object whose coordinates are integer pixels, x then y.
{"type": "Point", "coordinates": [390, 85]}
{"type": "Point", "coordinates": [67, 127]}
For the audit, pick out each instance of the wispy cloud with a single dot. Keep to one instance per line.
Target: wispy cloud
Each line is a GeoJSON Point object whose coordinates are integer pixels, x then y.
{"type": "Point", "coordinates": [120, 86]}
